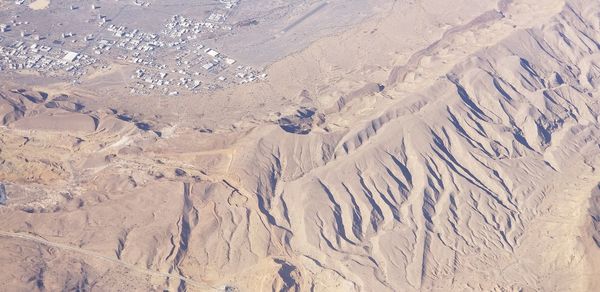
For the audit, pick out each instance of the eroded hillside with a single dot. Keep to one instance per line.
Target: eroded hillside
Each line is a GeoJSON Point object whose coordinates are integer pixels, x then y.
{"type": "Point", "coordinates": [470, 166]}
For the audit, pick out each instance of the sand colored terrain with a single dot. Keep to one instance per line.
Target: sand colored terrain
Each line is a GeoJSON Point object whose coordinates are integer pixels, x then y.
{"type": "Point", "coordinates": [39, 4]}
{"type": "Point", "coordinates": [444, 146]}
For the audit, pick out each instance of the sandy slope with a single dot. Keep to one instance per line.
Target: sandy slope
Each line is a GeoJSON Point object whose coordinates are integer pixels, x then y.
{"type": "Point", "coordinates": [473, 168]}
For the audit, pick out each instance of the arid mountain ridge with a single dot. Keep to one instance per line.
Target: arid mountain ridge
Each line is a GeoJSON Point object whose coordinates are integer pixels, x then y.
{"type": "Point", "coordinates": [473, 166]}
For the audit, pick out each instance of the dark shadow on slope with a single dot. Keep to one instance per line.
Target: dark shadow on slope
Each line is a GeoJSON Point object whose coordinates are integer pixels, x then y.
{"type": "Point", "coordinates": [301, 122]}
{"type": "Point", "coordinates": [595, 214]}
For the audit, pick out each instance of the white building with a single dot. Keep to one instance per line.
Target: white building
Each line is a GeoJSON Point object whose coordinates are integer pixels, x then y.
{"type": "Point", "coordinates": [212, 53]}
{"type": "Point", "coordinates": [207, 66]}
{"type": "Point", "coordinates": [70, 56]}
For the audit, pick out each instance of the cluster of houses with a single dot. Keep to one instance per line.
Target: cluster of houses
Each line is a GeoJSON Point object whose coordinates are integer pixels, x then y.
{"type": "Point", "coordinates": [22, 55]}
{"type": "Point", "coordinates": [168, 62]}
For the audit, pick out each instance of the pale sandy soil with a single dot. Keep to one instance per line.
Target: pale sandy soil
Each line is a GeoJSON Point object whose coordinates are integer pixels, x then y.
{"type": "Point", "coordinates": [39, 4]}
{"type": "Point", "coordinates": [454, 147]}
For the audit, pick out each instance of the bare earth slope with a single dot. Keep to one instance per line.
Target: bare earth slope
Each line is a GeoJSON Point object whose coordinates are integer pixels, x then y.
{"type": "Point", "coordinates": [472, 165]}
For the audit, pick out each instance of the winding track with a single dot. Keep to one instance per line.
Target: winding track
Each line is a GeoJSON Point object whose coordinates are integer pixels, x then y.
{"type": "Point", "coordinates": [96, 255]}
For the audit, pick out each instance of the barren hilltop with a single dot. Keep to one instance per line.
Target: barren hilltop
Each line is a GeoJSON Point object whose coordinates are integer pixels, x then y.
{"type": "Point", "coordinates": [236, 145]}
